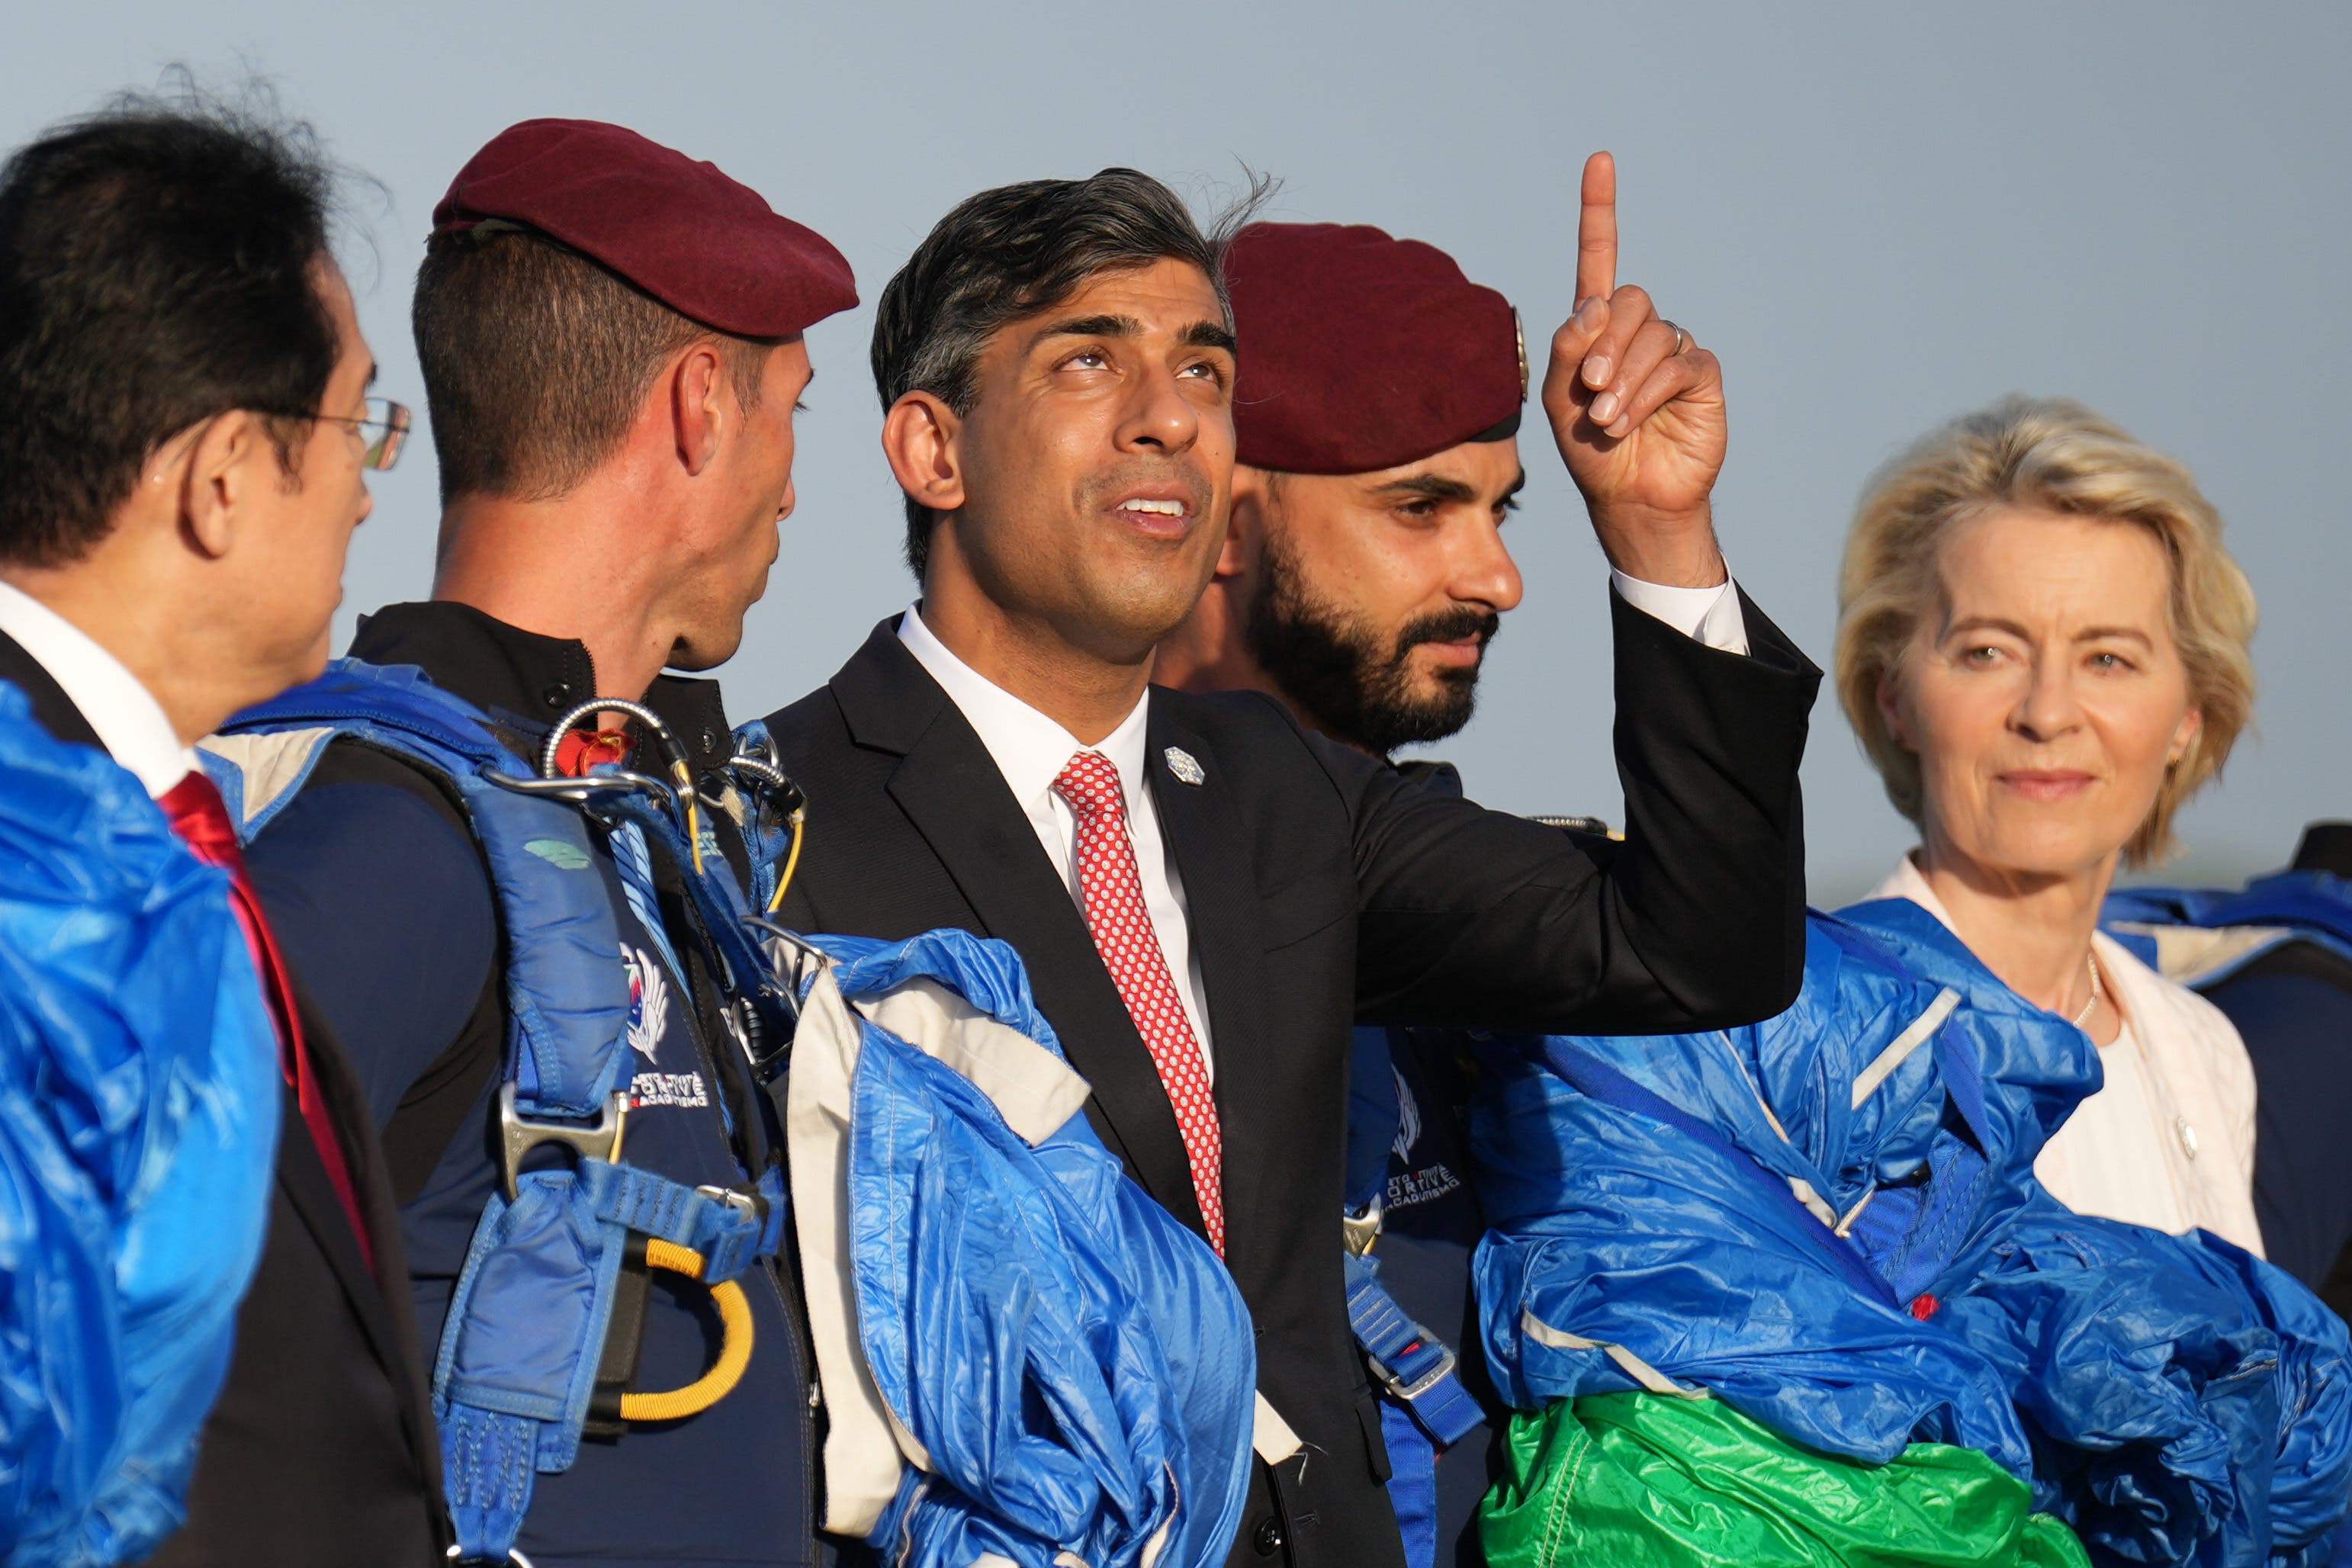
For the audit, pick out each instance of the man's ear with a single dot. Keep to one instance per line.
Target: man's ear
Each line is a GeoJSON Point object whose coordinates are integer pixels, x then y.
{"type": "Point", "coordinates": [1246, 518]}
{"type": "Point", "coordinates": [701, 409]}
{"type": "Point", "coordinates": [918, 438]}
{"type": "Point", "coordinates": [225, 463]}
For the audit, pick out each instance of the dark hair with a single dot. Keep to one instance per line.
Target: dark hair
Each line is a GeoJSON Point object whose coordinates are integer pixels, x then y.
{"type": "Point", "coordinates": [536, 358]}
{"type": "Point", "coordinates": [1011, 252]}
{"type": "Point", "coordinates": [156, 268]}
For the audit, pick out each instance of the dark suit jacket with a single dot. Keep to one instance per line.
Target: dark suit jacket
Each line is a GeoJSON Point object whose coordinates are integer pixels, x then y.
{"type": "Point", "coordinates": [321, 1448]}
{"type": "Point", "coordinates": [1324, 888]}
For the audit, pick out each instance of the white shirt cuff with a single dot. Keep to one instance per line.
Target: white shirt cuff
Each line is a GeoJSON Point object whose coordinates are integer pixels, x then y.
{"type": "Point", "coordinates": [1712, 615]}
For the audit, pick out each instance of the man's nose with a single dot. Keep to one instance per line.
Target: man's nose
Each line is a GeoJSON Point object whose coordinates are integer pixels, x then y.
{"type": "Point", "coordinates": [1484, 572]}
{"type": "Point", "coordinates": [1160, 416]}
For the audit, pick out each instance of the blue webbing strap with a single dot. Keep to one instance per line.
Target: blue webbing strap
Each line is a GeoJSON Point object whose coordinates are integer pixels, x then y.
{"type": "Point", "coordinates": [1413, 1363]}
{"type": "Point", "coordinates": [1412, 1483]}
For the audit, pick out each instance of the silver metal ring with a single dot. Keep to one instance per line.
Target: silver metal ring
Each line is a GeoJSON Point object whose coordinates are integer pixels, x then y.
{"type": "Point", "coordinates": [1682, 339]}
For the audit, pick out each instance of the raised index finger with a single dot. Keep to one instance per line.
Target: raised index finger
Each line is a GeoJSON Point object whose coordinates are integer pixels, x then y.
{"type": "Point", "coordinates": [1596, 230]}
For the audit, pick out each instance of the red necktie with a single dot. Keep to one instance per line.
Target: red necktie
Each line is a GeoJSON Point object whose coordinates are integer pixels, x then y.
{"type": "Point", "coordinates": [1121, 924]}
{"type": "Point", "coordinates": [198, 816]}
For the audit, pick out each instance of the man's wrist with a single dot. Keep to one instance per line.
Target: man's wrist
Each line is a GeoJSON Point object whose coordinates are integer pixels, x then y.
{"type": "Point", "coordinates": [1675, 550]}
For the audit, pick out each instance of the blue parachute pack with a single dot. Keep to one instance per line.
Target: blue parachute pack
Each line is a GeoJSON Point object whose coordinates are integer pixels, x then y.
{"type": "Point", "coordinates": [525, 1363]}
{"type": "Point", "coordinates": [1829, 1220]}
{"type": "Point", "coordinates": [2201, 936]}
{"type": "Point", "coordinates": [140, 1091]}
{"type": "Point", "coordinates": [1022, 1353]}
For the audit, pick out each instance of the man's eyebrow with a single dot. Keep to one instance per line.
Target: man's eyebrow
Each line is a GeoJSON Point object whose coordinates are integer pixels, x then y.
{"type": "Point", "coordinates": [1435, 487]}
{"type": "Point", "coordinates": [372, 370]}
{"type": "Point", "coordinates": [1512, 495]}
{"type": "Point", "coordinates": [1208, 335]}
{"type": "Point", "coordinates": [1089, 327]}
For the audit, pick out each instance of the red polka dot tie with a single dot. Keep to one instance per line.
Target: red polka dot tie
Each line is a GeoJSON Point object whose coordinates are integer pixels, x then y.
{"type": "Point", "coordinates": [1121, 924]}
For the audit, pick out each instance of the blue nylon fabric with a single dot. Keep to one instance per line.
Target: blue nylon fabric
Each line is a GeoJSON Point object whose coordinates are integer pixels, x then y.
{"type": "Point", "coordinates": [1077, 1363]}
{"type": "Point", "coordinates": [2315, 906]}
{"type": "Point", "coordinates": [2172, 1398]}
{"type": "Point", "coordinates": [139, 1109]}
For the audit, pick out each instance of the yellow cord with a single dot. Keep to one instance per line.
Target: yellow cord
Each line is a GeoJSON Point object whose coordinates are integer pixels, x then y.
{"type": "Point", "coordinates": [791, 861]}
{"type": "Point", "coordinates": [734, 1346]}
{"type": "Point", "coordinates": [684, 777]}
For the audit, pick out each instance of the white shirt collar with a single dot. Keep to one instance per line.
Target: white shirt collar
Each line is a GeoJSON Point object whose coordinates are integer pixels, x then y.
{"type": "Point", "coordinates": [128, 719]}
{"type": "Point", "coordinates": [1030, 748]}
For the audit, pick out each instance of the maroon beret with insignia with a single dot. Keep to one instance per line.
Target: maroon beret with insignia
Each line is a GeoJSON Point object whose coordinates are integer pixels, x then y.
{"type": "Point", "coordinates": [686, 233]}
{"type": "Point", "coordinates": [1359, 352]}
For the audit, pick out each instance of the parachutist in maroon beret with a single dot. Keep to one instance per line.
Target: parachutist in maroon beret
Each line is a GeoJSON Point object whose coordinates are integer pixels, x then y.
{"type": "Point", "coordinates": [1376, 415]}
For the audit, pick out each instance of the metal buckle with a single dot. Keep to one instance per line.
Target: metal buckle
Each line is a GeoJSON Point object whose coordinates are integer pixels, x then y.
{"type": "Point", "coordinates": [749, 1205]}
{"type": "Point", "coordinates": [601, 1140]}
{"type": "Point", "coordinates": [1361, 1230]}
{"type": "Point", "coordinates": [1419, 1385]}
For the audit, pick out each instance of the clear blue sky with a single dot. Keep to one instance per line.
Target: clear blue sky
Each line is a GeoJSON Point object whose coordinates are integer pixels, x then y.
{"type": "Point", "coordinates": [1878, 216]}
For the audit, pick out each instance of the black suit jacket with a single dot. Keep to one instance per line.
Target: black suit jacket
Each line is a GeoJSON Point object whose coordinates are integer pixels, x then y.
{"type": "Point", "coordinates": [321, 1448]}
{"type": "Point", "coordinates": [1324, 888]}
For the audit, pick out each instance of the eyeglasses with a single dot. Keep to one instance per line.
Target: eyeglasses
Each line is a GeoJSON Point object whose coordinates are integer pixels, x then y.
{"type": "Point", "coordinates": [386, 425]}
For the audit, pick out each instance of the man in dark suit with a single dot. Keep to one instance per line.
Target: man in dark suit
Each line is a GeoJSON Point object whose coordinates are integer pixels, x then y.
{"type": "Point", "coordinates": [184, 423]}
{"type": "Point", "coordinates": [1205, 894]}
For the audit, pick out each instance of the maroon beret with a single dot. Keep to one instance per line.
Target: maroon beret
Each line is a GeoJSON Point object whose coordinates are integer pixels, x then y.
{"type": "Point", "coordinates": [1359, 352]}
{"type": "Point", "coordinates": [686, 233]}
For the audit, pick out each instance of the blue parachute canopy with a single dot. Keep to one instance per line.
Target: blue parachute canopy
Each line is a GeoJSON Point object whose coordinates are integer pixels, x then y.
{"type": "Point", "coordinates": [1829, 1220]}
{"type": "Point", "coordinates": [1072, 1368]}
{"type": "Point", "coordinates": [139, 1102]}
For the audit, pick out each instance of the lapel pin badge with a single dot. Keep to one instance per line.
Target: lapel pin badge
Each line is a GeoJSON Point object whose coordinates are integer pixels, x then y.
{"type": "Point", "coordinates": [1184, 765]}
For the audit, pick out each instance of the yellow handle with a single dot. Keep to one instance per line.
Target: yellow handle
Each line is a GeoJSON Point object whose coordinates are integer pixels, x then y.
{"type": "Point", "coordinates": [734, 1344]}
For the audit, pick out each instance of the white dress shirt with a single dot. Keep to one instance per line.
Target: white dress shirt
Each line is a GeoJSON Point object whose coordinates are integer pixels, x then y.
{"type": "Point", "coordinates": [128, 719]}
{"type": "Point", "coordinates": [1031, 751]}
{"type": "Point", "coordinates": [2168, 1140]}
{"type": "Point", "coordinates": [1711, 614]}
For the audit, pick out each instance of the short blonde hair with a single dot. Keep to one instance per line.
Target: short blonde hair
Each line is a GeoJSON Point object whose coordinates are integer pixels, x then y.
{"type": "Point", "coordinates": [2042, 453]}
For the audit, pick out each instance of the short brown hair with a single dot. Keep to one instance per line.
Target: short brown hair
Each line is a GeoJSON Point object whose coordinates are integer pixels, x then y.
{"type": "Point", "coordinates": [2048, 455]}
{"type": "Point", "coordinates": [536, 358]}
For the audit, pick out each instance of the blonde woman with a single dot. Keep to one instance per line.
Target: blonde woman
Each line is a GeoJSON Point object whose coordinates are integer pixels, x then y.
{"type": "Point", "coordinates": [2042, 646]}
{"type": "Point", "coordinates": [1828, 1223]}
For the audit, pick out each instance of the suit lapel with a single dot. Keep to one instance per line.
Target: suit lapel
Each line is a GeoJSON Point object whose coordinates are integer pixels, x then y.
{"type": "Point", "coordinates": [303, 1176]}
{"type": "Point", "coordinates": [951, 790]}
{"type": "Point", "coordinates": [1209, 849]}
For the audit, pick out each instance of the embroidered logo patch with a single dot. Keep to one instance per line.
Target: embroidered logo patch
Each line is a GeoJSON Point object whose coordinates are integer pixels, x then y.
{"type": "Point", "coordinates": [648, 1002]}
{"type": "Point", "coordinates": [556, 852]}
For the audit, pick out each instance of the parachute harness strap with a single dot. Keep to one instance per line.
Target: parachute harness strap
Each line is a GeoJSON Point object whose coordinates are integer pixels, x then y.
{"type": "Point", "coordinates": [734, 1347]}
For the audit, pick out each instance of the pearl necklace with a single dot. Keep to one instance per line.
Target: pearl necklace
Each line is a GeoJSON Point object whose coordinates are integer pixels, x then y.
{"type": "Point", "coordinates": [2095, 993]}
